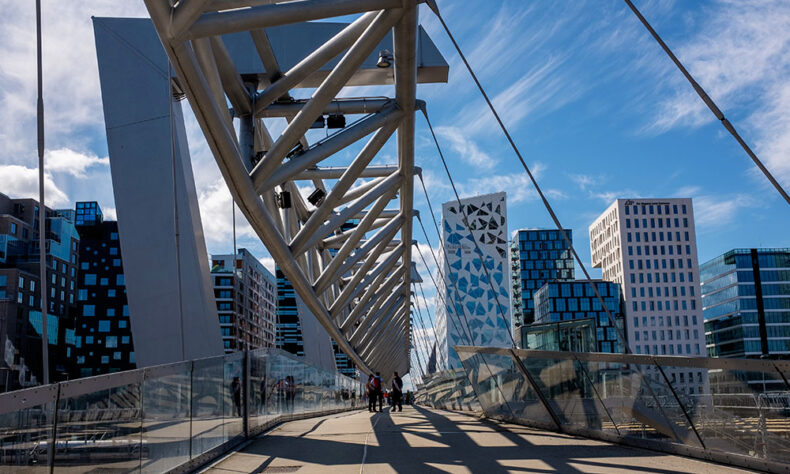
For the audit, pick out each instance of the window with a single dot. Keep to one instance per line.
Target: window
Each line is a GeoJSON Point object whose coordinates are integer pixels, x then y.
{"type": "Point", "coordinates": [111, 293]}
{"type": "Point", "coordinates": [113, 235]}
{"type": "Point", "coordinates": [120, 280]}
{"type": "Point", "coordinates": [90, 278]}
{"type": "Point", "coordinates": [88, 309]}
{"type": "Point", "coordinates": [116, 262]}
{"type": "Point", "coordinates": [110, 311]}
{"type": "Point", "coordinates": [125, 310]}
{"type": "Point", "coordinates": [111, 342]}
{"type": "Point", "coordinates": [104, 281]}
{"type": "Point", "coordinates": [104, 325]}
{"type": "Point", "coordinates": [13, 228]}
{"type": "Point", "coordinates": [113, 250]}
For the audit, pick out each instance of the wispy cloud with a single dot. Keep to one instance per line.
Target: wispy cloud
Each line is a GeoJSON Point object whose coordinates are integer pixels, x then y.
{"type": "Point", "coordinates": [739, 55]}
{"type": "Point", "coordinates": [466, 148]}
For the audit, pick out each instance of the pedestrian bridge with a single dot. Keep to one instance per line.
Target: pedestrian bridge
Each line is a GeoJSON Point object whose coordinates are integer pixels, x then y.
{"type": "Point", "coordinates": [509, 410]}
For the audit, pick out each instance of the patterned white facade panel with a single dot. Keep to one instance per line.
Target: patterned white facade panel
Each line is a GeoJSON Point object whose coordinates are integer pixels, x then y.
{"type": "Point", "coordinates": [474, 310]}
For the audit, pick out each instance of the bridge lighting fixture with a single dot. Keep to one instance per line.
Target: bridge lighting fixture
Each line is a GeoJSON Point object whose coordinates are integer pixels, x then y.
{"type": "Point", "coordinates": [316, 197]}
{"type": "Point", "coordinates": [385, 59]}
{"type": "Point", "coordinates": [336, 121]}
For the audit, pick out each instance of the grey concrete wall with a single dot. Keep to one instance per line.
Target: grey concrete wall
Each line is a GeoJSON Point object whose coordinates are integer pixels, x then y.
{"type": "Point", "coordinates": [136, 97]}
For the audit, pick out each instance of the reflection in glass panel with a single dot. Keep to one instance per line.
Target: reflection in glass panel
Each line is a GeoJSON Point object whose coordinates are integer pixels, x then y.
{"type": "Point", "coordinates": [208, 400]}
{"type": "Point", "coordinates": [25, 436]}
{"type": "Point", "coordinates": [166, 395]}
{"type": "Point", "coordinates": [100, 429]}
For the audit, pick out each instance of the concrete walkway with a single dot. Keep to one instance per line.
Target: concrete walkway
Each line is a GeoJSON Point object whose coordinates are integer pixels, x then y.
{"type": "Point", "coordinates": [425, 440]}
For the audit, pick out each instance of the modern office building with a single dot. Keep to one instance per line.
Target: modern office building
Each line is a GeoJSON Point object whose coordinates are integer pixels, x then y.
{"type": "Point", "coordinates": [471, 308]}
{"type": "Point", "coordinates": [557, 304]}
{"type": "Point", "coordinates": [648, 246]}
{"type": "Point", "coordinates": [21, 322]}
{"type": "Point", "coordinates": [536, 257]}
{"type": "Point", "coordinates": [746, 303]}
{"type": "Point", "coordinates": [103, 329]}
{"type": "Point", "coordinates": [298, 330]}
{"type": "Point", "coordinates": [245, 292]}
{"type": "Point", "coordinates": [289, 327]}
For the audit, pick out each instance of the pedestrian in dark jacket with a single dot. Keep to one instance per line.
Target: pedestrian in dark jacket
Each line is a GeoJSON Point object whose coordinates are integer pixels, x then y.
{"type": "Point", "coordinates": [397, 393]}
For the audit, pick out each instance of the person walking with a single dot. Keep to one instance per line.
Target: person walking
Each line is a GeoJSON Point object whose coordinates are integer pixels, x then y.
{"type": "Point", "coordinates": [397, 392]}
{"type": "Point", "coordinates": [371, 390]}
{"type": "Point", "coordinates": [235, 387]}
{"type": "Point", "coordinates": [378, 386]}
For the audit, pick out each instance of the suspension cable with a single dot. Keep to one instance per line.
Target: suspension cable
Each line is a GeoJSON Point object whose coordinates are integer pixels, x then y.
{"type": "Point", "coordinates": [543, 198]}
{"type": "Point", "coordinates": [466, 320]}
{"type": "Point", "coordinates": [433, 325]}
{"type": "Point", "coordinates": [465, 217]}
{"type": "Point", "coordinates": [422, 321]}
{"type": "Point", "coordinates": [709, 102]}
{"type": "Point", "coordinates": [550, 210]}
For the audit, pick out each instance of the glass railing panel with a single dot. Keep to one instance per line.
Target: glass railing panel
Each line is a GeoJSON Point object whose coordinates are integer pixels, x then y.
{"type": "Point", "coordinates": [208, 404]}
{"type": "Point", "coordinates": [655, 411]}
{"type": "Point", "coordinates": [166, 417]}
{"type": "Point", "coordinates": [563, 385]}
{"type": "Point", "coordinates": [233, 414]}
{"type": "Point", "coordinates": [496, 380]}
{"type": "Point", "coordinates": [261, 389]}
{"type": "Point", "coordinates": [737, 411]}
{"type": "Point", "coordinates": [312, 389]}
{"type": "Point", "coordinates": [26, 418]}
{"type": "Point", "coordinates": [282, 384]}
{"type": "Point", "coordinates": [613, 386]}
{"type": "Point", "coordinates": [100, 429]}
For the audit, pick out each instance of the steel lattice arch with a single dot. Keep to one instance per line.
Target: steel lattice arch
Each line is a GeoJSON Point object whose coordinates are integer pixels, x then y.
{"type": "Point", "coordinates": [354, 280]}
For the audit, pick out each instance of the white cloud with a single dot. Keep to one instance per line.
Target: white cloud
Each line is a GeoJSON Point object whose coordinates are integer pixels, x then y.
{"type": "Point", "coordinates": [716, 211]}
{"type": "Point", "coordinates": [71, 83]}
{"type": "Point", "coordinates": [217, 217]}
{"type": "Point", "coordinates": [110, 213]}
{"type": "Point", "coordinates": [269, 263]}
{"type": "Point", "coordinates": [739, 55]}
{"type": "Point", "coordinates": [21, 182]}
{"type": "Point", "coordinates": [518, 186]}
{"type": "Point", "coordinates": [583, 180]}
{"type": "Point", "coordinates": [65, 160]}
{"type": "Point", "coordinates": [466, 148]}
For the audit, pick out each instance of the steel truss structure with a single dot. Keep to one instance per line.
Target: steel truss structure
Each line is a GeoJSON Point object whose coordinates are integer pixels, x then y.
{"type": "Point", "coordinates": [355, 280]}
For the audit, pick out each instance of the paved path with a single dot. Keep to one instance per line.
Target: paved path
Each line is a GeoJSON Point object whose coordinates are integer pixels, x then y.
{"type": "Point", "coordinates": [424, 440]}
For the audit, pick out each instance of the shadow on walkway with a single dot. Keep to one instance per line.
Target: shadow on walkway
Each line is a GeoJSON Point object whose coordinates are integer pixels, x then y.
{"type": "Point", "coordinates": [426, 440]}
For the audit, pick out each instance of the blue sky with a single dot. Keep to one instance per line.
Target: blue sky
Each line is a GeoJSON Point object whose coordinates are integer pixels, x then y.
{"type": "Point", "coordinates": [595, 106]}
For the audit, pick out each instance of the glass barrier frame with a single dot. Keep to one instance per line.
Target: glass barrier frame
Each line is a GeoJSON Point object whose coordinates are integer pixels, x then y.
{"type": "Point", "coordinates": [168, 418]}
{"type": "Point", "coordinates": [638, 400]}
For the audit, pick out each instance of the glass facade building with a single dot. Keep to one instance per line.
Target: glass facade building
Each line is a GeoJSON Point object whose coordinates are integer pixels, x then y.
{"type": "Point", "coordinates": [21, 322]}
{"type": "Point", "coordinates": [536, 257]}
{"type": "Point", "coordinates": [103, 334]}
{"type": "Point", "coordinates": [746, 303]}
{"type": "Point", "coordinates": [576, 300]}
{"type": "Point", "coordinates": [289, 326]}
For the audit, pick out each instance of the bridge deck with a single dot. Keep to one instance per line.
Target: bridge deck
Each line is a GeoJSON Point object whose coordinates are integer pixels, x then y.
{"type": "Point", "coordinates": [425, 440]}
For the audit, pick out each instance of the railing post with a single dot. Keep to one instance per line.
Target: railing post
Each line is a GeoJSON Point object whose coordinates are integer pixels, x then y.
{"type": "Point", "coordinates": [53, 443]}
{"type": "Point", "coordinates": [245, 375]}
{"type": "Point", "coordinates": [538, 392]}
